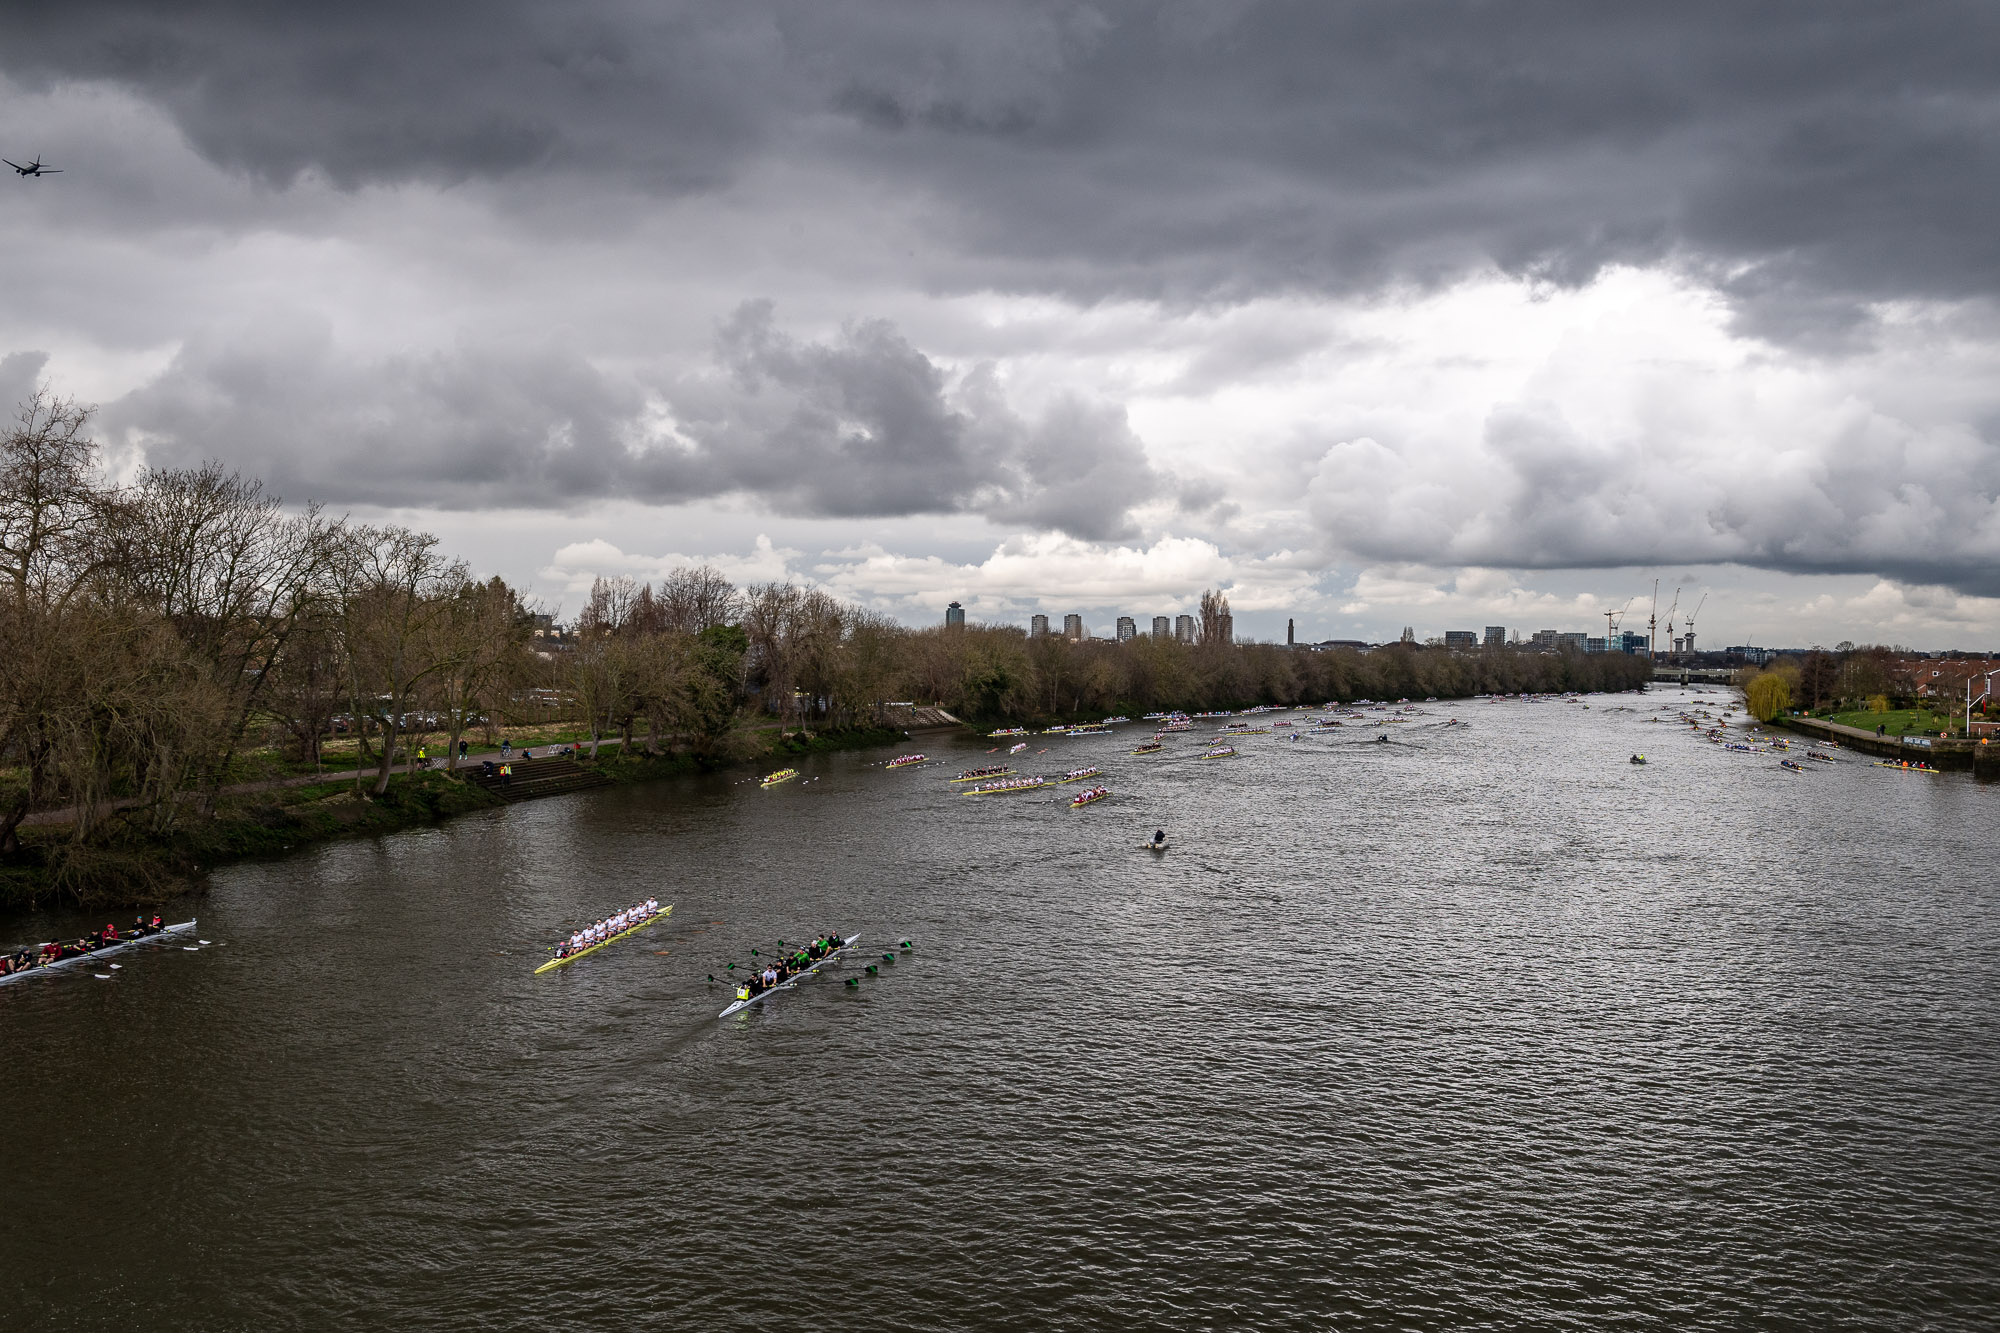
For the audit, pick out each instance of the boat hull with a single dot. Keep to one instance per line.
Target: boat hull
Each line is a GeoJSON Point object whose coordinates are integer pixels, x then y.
{"type": "Point", "coordinates": [178, 930]}
{"type": "Point", "coordinates": [555, 963]}
{"type": "Point", "coordinates": [791, 981]}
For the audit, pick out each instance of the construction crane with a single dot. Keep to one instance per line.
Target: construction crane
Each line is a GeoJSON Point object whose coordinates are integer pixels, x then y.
{"type": "Point", "coordinates": [1690, 622]}
{"type": "Point", "coordinates": [1653, 621]}
{"type": "Point", "coordinates": [1670, 622]}
{"type": "Point", "coordinates": [1611, 619]}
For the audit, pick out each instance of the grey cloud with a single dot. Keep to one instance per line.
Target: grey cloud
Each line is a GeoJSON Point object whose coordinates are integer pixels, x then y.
{"type": "Point", "coordinates": [867, 425]}
{"type": "Point", "coordinates": [863, 425]}
{"type": "Point", "coordinates": [1819, 155]}
{"type": "Point", "coordinates": [464, 428]}
{"type": "Point", "coordinates": [20, 373]}
{"type": "Point", "coordinates": [1879, 496]}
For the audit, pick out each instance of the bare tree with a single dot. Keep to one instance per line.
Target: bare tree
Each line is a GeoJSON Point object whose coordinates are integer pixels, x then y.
{"type": "Point", "coordinates": [697, 597]}
{"type": "Point", "coordinates": [395, 588]}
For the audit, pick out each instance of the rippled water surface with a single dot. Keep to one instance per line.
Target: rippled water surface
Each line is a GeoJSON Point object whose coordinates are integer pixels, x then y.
{"type": "Point", "coordinates": [1482, 1028]}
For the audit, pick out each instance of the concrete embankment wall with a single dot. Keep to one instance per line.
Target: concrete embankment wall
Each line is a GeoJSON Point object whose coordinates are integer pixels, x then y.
{"type": "Point", "coordinates": [1983, 760]}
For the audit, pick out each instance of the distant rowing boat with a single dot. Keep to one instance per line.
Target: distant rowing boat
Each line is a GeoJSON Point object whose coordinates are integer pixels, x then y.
{"type": "Point", "coordinates": [782, 775]}
{"type": "Point", "coordinates": [1079, 774]}
{"type": "Point", "coordinates": [905, 761]}
{"type": "Point", "coordinates": [163, 932]}
{"type": "Point", "coordinates": [1151, 747]}
{"type": "Point", "coordinates": [792, 980]}
{"type": "Point", "coordinates": [1221, 752]}
{"type": "Point", "coordinates": [1090, 797]}
{"type": "Point", "coordinates": [1000, 788]}
{"type": "Point", "coordinates": [567, 959]}
{"type": "Point", "coordinates": [981, 774]}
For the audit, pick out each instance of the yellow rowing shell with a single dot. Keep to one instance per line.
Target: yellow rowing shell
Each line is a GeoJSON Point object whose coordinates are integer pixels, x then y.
{"type": "Point", "coordinates": [555, 963]}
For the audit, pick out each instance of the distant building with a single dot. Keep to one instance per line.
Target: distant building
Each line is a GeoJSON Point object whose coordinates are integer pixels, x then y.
{"type": "Point", "coordinates": [1462, 639]}
{"type": "Point", "coordinates": [1496, 636]}
{"type": "Point", "coordinates": [954, 616]}
{"type": "Point", "coordinates": [1073, 627]}
{"type": "Point", "coordinates": [1592, 644]}
{"type": "Point", "coordinates": [1629, 642]}
{"type": "Point", "coordinates": [1290, 641]}
{"type": "Point", "coordinates": [1038, 626]}
{"type": "Point", "coordinates": [1162, 627]}
{"type": "Point", "coordinates": [1184, 628]}
{"type": "Point", "coordinates": [1578, 643]}
{"type": "Point", "coordinates": [1544, 641]}
{"type": "Point", "coordinates": [1128, 629]}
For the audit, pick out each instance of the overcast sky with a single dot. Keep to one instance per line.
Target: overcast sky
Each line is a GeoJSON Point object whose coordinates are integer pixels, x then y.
{"type": "Point", "coordinates": [1378, 314]}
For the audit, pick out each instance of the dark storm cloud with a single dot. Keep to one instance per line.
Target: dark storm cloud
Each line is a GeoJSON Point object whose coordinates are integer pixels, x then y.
{"type": "Point", "coordinates": [860, 426]}
{"type": "Point", "coordinates": [1813, 154]}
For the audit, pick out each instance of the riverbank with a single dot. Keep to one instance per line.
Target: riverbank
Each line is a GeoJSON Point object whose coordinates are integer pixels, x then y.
{"type": "Point", "coordinates": [131, 868]}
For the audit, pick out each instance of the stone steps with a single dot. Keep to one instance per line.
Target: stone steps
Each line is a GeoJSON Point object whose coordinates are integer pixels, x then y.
{"type": "Point", "coordinates": [536, 777]}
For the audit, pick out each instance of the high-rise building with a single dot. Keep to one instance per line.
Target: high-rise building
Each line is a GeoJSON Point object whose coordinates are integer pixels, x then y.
{"type": "Point", "coordinates": [1038, 626]}
{"type": "Point", "coordinates": [1290, 640]}
{"type": "Point", "coordinates": [1462, 639]}
{"type": "Point", "coordinates": [1184, 628]}
{"type": "Point", "coordinates": [1544, 641]}
{"type": "Point", "coordinates": [1496, 636]}
{"type": "Point", "coordinates": [1579, 642]}
{"type": "Point", "coordinates": [1162, 627]}
{"type": "Point", "coordinates": [1127, 629]}
{"type": "Point", "coordinates": [954, 616]}
{"type": "Point", "coordinates": [1073, 627]}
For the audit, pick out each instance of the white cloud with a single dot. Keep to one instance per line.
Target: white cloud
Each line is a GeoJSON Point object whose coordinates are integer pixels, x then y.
{"type": "Point", "coordinates": [575, 566]}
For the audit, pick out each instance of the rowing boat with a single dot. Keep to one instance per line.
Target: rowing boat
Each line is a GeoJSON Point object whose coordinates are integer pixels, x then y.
{"type": "Point", "coordinates": [1907, 768]}
{"type": "Point", "coordinates": [905, 761]}
{"type": "Point", "coordinates": [162, 933]}
{"type": "Point", "coordinates": [1153, 747]}
{"type": "Point", "coordinates": [981, 774]}
{"type": "Point", "coordinates": [782, 775]}
{"type": "Point", "coordinates": [1228, 752]}
{"type": "Point", "coordinates": [792, 980]}
{"type": "Point", "coordinates": [1007, 785]}
{"type": "Point", "coordinates": [1088, 797]}
{"type": "Point", "coordinates": [1079, 774]}
{"type": "Point", "coordinates": [555, 963]}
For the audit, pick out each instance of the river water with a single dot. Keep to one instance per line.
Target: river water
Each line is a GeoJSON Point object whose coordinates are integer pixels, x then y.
{"type": "Point", "coordinates": [1485, 1027]}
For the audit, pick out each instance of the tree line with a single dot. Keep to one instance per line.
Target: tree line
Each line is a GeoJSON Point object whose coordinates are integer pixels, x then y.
{"type": "Point", "coordinates": [153, 631]}
{"type": "Point", "coordinates": [1860, 677]}
{"type": "Point", "coordinates": [158, 634]}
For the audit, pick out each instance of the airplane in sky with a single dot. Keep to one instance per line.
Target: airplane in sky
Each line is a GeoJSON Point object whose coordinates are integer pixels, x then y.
{"type": "Point", "coordinates": [34, 168]}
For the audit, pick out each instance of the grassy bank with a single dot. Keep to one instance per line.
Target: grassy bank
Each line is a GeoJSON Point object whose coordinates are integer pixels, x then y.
{"type": "Point", "coordinates": [130, 868]}
{"type": "Point", "coordinates": [1897, 721]}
